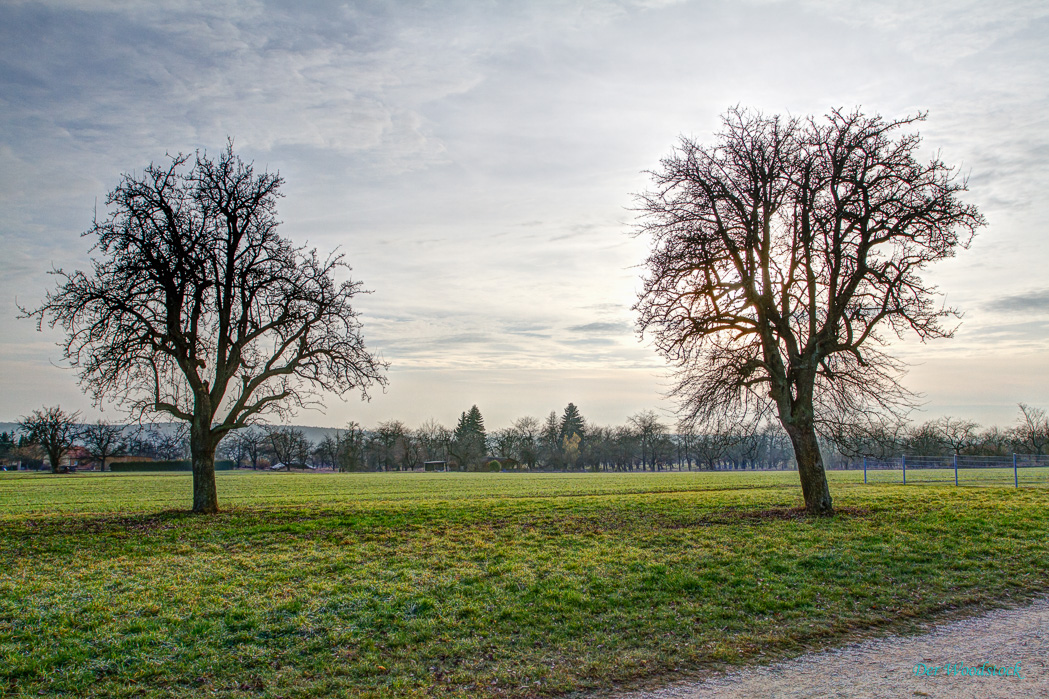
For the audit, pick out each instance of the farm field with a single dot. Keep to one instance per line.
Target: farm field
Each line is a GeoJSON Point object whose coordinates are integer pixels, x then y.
{"type": "Point", "coordinates": [475, 584]}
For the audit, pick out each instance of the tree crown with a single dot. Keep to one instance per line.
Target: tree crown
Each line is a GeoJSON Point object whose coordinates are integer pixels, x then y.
{"type": "Point", "coordinates": [196, 304]}
{"type": "Point", "coordinates": [782, 251]}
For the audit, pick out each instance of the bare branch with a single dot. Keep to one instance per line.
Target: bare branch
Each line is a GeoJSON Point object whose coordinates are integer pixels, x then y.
{"type": "Point", "coordinates": [777, 256]}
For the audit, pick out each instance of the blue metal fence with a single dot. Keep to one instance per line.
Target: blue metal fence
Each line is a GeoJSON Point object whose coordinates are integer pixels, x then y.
{"type": "Point", "coordinates": [1014, 470]}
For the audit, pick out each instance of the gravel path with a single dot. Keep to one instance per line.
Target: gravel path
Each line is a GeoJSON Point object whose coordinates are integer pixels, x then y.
{"type": "Point", "coordinates": [888, 667]}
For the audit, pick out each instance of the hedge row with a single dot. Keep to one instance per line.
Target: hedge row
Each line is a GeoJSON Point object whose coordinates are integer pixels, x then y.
{"type": "Point", "coordinates": [183, 465]}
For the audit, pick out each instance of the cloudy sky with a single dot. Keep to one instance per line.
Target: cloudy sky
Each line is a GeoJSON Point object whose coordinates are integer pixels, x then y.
{"type": "Point", "coordinates": [475, 160]}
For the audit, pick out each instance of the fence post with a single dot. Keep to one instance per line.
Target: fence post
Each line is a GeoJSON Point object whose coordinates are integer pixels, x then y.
{"type": "Point", "coordinates": [865, 470]}
{"type": "Point", "coordinates": [904, 460]}
{"type": "Point", "coordinates": [956, 469]}
{"type": "Point", "coordinates": [1016, 475]}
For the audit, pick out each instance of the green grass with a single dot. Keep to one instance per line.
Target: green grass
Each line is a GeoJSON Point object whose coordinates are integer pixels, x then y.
{"type": "Point", "coordinates": [474, 585]}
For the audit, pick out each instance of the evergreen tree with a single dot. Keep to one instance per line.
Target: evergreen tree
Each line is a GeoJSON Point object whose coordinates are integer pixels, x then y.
{"type": "Point", "coordinates": [468, 440]}
{"type": "Point", "coordinates": [475, 421]}
{"type": "Point", "coordinates": [572, 423]}
{"type": "Point", "coordinates": [7, 444]}
{"type": "Point", "coordinates": [572, 431]}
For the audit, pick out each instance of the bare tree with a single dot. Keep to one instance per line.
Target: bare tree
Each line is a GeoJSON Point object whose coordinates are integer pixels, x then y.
{"type": "Point", "coordinates": [197, 308]}
{"type": "Point", "coordinates": [958, 434]}
{"type": "Point", "coordinates": [103, 441]}
{"type": "Point", "coordinates": [710, 444]}
{"type": "Point", "coordinates": [1032, 432]}
{"type": "Point", "coordinates": [527, 432]}
{"type": "Point", "coordinates": [649, 429]}
{"type": "Point", "coordinates": [351, 453]}
{"type": "Point", "coordinates": [504, 443]}
{"type": "Point", "coordinates": [55, 430]}
{"type": "Point", "coordinates": [779, 257]}
{"type": "Point", "coordinates": [250, 444]}
{"type": "Point", "coordinates": [994, 441]}
{"type": "Point", "coordinates": [926, 439]}
{"type": "Point", "coordinates": [329, 450]}
{"type": "Point", "coordinates": [389, 443]}
{"type": "Point", "coordinates": [289, 445]}
{"type": "Point", "coordinates": [413, 450]}
{"type": "Point", "coordinates": [876, 435]}
{"type": "Point", "coordinates": [433, 437]}
{"type": "Point", "coordinates": [166, 444]}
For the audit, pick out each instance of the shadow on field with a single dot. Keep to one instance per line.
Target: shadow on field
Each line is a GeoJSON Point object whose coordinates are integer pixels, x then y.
{"type": "Point", "coordinates": [733, 515]}
{"type": "Point", "coordinates": [108, 524]}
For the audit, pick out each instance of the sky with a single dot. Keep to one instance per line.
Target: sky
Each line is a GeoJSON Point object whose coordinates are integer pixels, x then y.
{"type": "Point", "coordinates": [476, 162]}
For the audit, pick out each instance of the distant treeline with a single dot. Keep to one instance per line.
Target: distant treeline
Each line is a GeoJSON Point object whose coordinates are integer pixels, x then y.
{"type": "Point", "coordinates": [645, 442]}
{"type": "Point", "coordinates": [559, 442]}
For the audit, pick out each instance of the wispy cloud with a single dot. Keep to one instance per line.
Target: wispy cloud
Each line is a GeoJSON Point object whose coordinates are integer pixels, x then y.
{"type": "Point", "coordinates": [600, 327]}
{"type": "Point", "coordinates": [1033, 302]}
{"type": "Point", "coordinates": [475, 161]}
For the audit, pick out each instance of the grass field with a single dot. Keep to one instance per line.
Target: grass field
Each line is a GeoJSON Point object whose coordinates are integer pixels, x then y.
{"type": "Point", "coordinates": [474, 584]}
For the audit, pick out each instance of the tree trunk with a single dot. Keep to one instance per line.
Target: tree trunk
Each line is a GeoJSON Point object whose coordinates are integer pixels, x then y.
{"type": "Point", "coordinates": [810, 468]}
{"type": "Point", "coordinates": [205, 493]}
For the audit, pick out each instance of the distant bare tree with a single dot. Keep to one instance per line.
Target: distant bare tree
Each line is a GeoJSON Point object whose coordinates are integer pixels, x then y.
{"type": "Point", "coordinates": [994, 441]}
{"type": "Point", "coordinates": [711, 444]}
{"type": "Point", "coordinates": [959, 435]}
{"type": "Point", "coordinates": [527, 431]}
{"type": "Point", "coordinates": [165, 444]}
{"type": "Point", "coordinates": [504, 443]}
{"type": "Point", "coordinates": [389, 443]}
{"type": "Point", "coordinates": [434, 439]}
{"type": "Point", "coordinates": [55, 430]}
{"type": "Point", "coordinates": [779, 257]}
{"type": "Point", "coordinates": [289, 446]}
{"type": "Point", "coordinates": [412, 450]}
{"type": "Point", "coordinates": [329, 450]}
{"type": "Point", "coordinates": [197, 308]}
{"type": "Point", "coordinates": [875, 435]}
{"type": "Point", "coordinates": [250, 443]}
{"type": "Point", "coordinates": [351, 452]}
{"type": "Point", "coordinates": [649, 429]}
{"type": "Point", "coordinates": [1032, 432]}
{"type": "Point", "coordinates": [926, 439]}
{"type": "Point", "coordinates": [104, 441]}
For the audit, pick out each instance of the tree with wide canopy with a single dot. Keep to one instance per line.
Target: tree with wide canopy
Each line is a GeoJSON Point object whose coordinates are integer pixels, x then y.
{"type": "Point", "coordinates": [780, 256]}
{"type": "Point", "coordinates": [197, 309]}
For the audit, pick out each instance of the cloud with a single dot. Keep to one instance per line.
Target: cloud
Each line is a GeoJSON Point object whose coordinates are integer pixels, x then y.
{"type": "Point", "coordinates": [1033, 302]}
{"type": "Point", "coordinates": [475, 160]}
{"type": "Point", "coordinates": [602, 327]}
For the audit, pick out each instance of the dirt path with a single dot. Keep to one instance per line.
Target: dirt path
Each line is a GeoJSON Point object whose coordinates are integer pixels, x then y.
{"type": "Point", "coordinates": [893, 666]}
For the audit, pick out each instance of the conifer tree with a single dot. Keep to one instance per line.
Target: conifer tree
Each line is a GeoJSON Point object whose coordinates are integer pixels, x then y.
{"type": "Point", "coordinates": [572, 434]}
{"type": "Point", "coordinates": [572, 423]}
{"type": "Point", "coordinates": [468, 440]}
{"type": "Point", "coordinates": [476, 422]}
